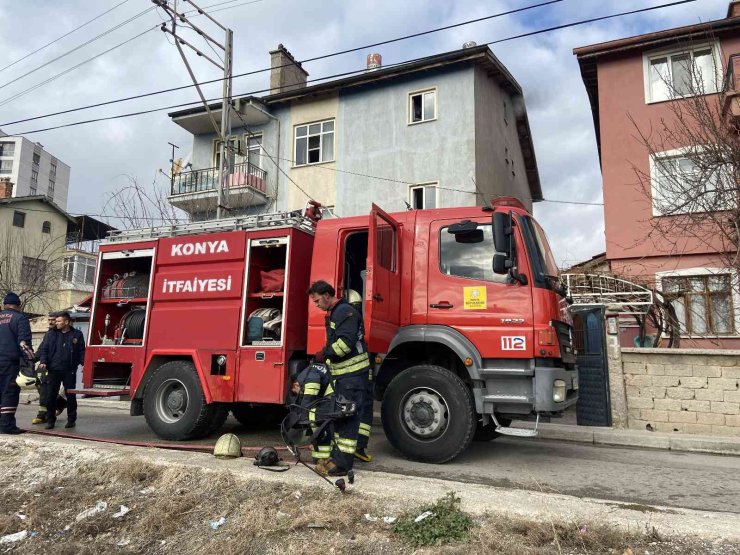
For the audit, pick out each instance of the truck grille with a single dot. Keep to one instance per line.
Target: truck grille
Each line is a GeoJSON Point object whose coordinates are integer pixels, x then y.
{"type": "Point", "coordinates": [565, 342]}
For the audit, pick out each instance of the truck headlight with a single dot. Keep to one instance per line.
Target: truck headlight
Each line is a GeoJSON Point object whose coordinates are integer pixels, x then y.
{"type": "Point", "coordinates": [558, 391]}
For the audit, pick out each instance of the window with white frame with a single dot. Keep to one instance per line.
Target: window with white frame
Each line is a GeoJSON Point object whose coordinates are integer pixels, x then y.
{"type": "Point", "coordinates": [50, 190]}
{"type": "Point", "coordinates": [681, 73]}
{"type": "Point", "coordinates": [233, 144]}
{"type": "Point", "coordinates": [254, 151]}
{"type": "Point", "coordinates": [6, 166]}
{"type": "Point", "coordinates": [79, 270]}
{"type": "Point", "coordinates": [423, 196]}
{"type": "Point", "coordinates": [683, 182]}
{"type": "Point", "coordinates": [7, 149]}
{"type": "Point", "coordinates": [703, 302]}
{"type": "Point", "coordinates": [36, 158]}
{"type": "Point", "coordinates": [314, 143]}
{"type": "Point", "coordinates": [422, 106]}
{"type": "Point", "coordinates": [53, 168]}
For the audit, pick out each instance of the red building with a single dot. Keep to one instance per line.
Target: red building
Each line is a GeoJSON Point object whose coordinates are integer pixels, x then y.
{"type": "Point", "coordinates": [632, 85]}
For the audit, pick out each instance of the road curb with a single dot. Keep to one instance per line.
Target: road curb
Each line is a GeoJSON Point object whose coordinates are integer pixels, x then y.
{"type": "Point", "coordinates": [627, 438]}
{"type": "Point", "coordinates": [31, 397]}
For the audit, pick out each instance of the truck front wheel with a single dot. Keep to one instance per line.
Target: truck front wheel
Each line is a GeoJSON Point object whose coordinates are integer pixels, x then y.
{"type": "Point", "coordinates": [428, 414]}
{"type": "Point", "coordinates": [174, 404]}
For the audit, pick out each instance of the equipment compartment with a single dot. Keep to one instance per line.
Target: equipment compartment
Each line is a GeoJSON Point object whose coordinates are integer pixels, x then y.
{"type": "Point", "coordinates": [264, 308]}
{"type": "Point", "coordinates": [123, 293]}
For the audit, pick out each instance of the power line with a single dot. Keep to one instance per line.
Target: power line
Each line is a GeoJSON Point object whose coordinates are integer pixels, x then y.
{"type": "Point", "coordinates": [78, 47]}
{"type": "Point", "coordinates": [307, 60]}
{"type": "Point", "coordinates": [61, 37]}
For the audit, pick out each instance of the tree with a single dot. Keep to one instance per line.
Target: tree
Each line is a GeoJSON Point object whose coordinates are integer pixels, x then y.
{"type": "Point", "coordinates": [31, 267]}
{"type": "Point", "coordinates": [134, 206]}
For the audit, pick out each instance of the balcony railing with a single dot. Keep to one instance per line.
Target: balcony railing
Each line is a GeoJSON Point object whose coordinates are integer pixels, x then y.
{"type": "Point", "coordinates": [197, 181]}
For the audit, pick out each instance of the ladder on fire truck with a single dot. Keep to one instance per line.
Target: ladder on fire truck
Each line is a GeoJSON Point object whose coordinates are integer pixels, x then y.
{"type": "Point", "coordinates": [276, 220]}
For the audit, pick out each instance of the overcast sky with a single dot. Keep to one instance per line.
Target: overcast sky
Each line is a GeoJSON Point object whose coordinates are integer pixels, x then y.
{"type": "Point", "coordinates": [103, 154]}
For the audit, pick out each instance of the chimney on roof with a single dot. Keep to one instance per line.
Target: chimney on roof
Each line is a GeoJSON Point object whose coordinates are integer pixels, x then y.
{"type": "Point", "coordinates": [6, 188]}
{"type": "Point", "coordinates": [733, 10]}
{"type": "Point", "coordinates": [285, 73]}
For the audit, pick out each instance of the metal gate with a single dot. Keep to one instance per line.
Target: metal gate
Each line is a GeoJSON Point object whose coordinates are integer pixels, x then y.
{"type": "Point", "coordinates": [594, 406]}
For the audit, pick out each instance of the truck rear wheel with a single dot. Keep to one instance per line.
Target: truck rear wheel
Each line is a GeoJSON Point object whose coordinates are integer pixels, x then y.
{"type": "Point", "coordinates": [254, 415]}
{"type": "Point", "coordinates": [175, 407]}
{"type": "Point", "coordinates": [428, 414]}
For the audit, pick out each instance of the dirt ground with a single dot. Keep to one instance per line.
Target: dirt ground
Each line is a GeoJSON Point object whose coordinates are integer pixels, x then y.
{"type": "Point", "coordinates": [173, 509]}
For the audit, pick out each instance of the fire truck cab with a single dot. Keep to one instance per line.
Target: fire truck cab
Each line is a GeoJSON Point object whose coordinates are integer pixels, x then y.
{"type": "Point", "coordinates": [462, 310]}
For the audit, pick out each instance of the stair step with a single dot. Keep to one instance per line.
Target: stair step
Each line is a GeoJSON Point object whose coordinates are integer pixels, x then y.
{"type": "Point", "coordinates": [518, 432]}
{"type": "Point", "coordinates": [100, 392]}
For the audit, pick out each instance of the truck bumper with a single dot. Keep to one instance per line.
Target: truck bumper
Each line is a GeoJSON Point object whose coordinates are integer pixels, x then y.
{"type": "Point", "coordinates": [522, 391]}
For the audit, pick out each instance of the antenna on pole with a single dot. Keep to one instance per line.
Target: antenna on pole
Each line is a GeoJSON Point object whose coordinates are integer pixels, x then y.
{"type": "Point", "coordinates": [222, 130]}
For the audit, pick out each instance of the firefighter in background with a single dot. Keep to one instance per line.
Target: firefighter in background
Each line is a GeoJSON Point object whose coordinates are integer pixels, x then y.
{"type": "Point", "coordinates": [42, 385]}
{"type": "Point", "coordinates": [345, 352]}
{"type": "Point", "coordinates": [15, 343]}
{"type": "Point", "coordinates": [366, 411]}
{"type": "Point", "coordinates": [61, 353]}
{"type": "Point", "coordinates": [314, 396]}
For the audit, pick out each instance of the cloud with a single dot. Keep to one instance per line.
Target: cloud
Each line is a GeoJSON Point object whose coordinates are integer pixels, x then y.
{"type": "Point", "coordinates": [100, 154]}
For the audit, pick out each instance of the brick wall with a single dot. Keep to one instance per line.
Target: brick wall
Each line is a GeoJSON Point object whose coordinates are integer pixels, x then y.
{"type": "Point", "coordinates": [689, 391]}
{"type": "Point", "coordinates": [6, 188]}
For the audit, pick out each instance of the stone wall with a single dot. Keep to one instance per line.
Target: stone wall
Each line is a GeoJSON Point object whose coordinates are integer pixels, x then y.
{"type": "Point", "coordinates": [691, 391]}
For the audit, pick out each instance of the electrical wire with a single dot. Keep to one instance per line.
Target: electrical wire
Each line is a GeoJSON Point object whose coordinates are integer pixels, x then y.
{"type": "Point", "coordinates": [550, 29]}
{"type": "Point", "coordinates": [307, 60]}
{"type": "Point", "coordinates": [39, 49]}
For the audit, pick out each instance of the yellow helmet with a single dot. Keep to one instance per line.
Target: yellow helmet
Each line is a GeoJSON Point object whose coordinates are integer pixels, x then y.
{"type": "Point", "coordinates": [353, 297]}
{"type": "Point", "coordinates": [228, 446]}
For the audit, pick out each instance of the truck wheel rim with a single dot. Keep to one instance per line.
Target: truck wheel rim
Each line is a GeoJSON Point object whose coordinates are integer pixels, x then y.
{"type": "Point", "coordinates": [171, 401]}
{"type": "Point", "coordinates": [425, 413]}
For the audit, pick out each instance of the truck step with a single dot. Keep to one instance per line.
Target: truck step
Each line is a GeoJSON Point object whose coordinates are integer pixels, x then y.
{"type": "Point", "coordinates": [518, 432]}
{"type": "Point", "coordinates": [101, 392]}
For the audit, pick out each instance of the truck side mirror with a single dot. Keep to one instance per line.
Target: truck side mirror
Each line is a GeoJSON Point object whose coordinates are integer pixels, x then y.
{"type": "Point", "coordinates": [502, 234]}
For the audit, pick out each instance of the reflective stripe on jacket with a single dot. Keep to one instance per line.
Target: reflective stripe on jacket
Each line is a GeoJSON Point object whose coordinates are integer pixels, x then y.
{"type": "Point", "coordinates": [345, 349]}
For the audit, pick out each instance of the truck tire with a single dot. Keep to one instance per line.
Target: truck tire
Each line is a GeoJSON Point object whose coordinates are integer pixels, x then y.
{"type": "Point", "coordinates": [174, 404]}
{"type": "Point", "coordinates": [488, 432]}
{"type": "Point", "coordinates": [428, 414]}
{"type": "Point", "coordinates": [220, 414]}
{"type": "Point", "coordinates": [255, 415]}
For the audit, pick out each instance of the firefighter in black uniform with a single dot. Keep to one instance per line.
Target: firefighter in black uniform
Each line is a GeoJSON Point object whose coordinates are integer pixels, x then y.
{"type": "Point", "coordinates": [345, 352]}
{"type": "Point", "coordinates": [42, 384]}
{"type": "Point", "coordinates": [62, 351]}
{"type": "Point", "coordinates": [15, 343]}
{"type": "Point", "coordinates": [314, 391]}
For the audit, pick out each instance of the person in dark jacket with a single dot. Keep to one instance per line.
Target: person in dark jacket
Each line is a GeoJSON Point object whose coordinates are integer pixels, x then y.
{"type": "Point", "coordinates": [42, 385]}
{"type": "Point", "coordinates": [15, 343]}
{"type": "Point", "coordinates": [62, 351]}
{"type": "Point", "coordinates": [345, 352]}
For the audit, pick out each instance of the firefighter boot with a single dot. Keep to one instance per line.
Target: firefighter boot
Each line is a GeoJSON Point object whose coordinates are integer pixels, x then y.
{"type": "Point", "coordinates": [363, 455]}
{"type": "Point", "coordinates": [40, 418]}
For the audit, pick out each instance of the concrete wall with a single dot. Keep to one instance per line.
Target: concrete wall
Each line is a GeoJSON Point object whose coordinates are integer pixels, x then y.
{"type": "Point", "coordinates": [499, 164]}
{"type": "Point", "coordinates": [376, 139]}
{"type": "Point", "coordinates": [690, 391]}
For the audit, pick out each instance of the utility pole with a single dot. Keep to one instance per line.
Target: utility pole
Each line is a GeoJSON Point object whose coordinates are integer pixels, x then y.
{"type": "Point", "coordinates": [223, 131]}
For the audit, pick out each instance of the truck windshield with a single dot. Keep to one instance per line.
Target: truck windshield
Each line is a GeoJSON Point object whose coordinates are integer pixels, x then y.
{"type": "Point", "coordinates": [543, 262]}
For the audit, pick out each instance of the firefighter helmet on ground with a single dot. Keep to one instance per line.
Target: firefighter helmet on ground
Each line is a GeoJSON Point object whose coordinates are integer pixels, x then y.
{"type": "Point", "coordinates": [267, 456]}
{"type": "Point", "coordinates": [228, 446]}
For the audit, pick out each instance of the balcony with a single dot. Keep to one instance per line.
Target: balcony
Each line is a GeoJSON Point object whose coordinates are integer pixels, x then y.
{"type": "Point", "coordinates": [732, 87]}
{"type": "Point", "coordinates": [195, 191]}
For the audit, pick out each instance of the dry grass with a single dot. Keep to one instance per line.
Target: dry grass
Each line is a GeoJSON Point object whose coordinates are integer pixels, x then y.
{"type": "Point", "coordinates": [173, 515]}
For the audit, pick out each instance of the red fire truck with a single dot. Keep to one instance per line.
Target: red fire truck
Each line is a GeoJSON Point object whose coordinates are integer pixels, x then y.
{"type": "Point", "coordinates": [462, 310]}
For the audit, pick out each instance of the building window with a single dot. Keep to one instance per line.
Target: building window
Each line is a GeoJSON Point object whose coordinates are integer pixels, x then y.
{"type": "Point", "coordinates": [7, 149]}
{"type": "Point", "coordinates": [703, 303]}
{"type": "Point", "coordinates": [423, 196]}
{"type": "Point", "coordinates": [53, 168]}
{"type": "Point", "coordinates": [32, 270]}
{"type": "Point", "coordinates": [36, 158]}
{"type": "Point", "coordinates": [46, 227]}
{"type": "Point", "coordinates": [50, 192]}
{"type": "Point", "coordinates": [32, 190]}
{"type": "Point", "coordinates": [233, 144]}
{"type": "Point", "coordinates": [681, 73]}
{"type": "Point", "coordinates": [422, 106]}
{"type": "Point", "coordinates": [681, 186]}
{"type": "Point", "coordinates": [254, 151]}
{"type": "Point", "coordinates": [314, 143]}
{"type": "Point", "coordinates": [468, 260]}
{"type": "Point", "coordinates": [6, 166]}
{"type": "Point", "coordinates": [19, 219]}
{"type": "Point", "coordinates": [79, 270]}
{"type": "Point", "coordinates": [34, 179]}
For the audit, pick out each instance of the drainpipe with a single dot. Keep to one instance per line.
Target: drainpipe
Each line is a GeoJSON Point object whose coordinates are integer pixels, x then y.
{"type": "Point", "coordinates": [277, 155]}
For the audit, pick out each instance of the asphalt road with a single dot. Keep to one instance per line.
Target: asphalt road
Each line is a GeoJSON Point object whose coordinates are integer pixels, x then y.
{"type": "Point", "coordinates": [639, 476]}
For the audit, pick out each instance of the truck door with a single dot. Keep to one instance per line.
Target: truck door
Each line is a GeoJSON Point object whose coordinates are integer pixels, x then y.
{"type": "Point", "coordinates": [491, 310]}
{"type": "Point", "coordinates": [383, 281]}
